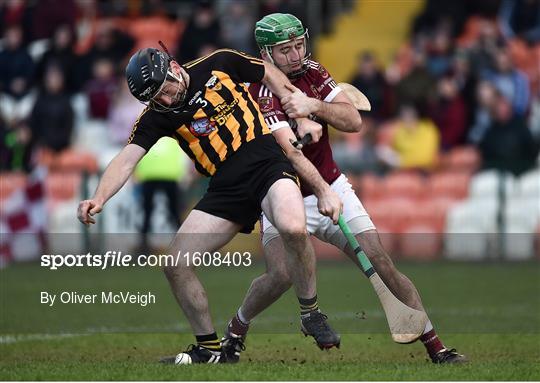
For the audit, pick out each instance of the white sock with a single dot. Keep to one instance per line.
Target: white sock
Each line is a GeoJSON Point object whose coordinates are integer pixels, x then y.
{"type": "Point", "coordinates": [428, 327]}
{"type": "Point", "coordinates": [242, 317]}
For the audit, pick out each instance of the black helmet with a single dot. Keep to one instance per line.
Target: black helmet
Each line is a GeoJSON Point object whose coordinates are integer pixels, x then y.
{"type": "Point", "coordinates": [146, 71]}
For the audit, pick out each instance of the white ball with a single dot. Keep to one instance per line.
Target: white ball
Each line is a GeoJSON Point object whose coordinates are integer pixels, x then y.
{"type": "Point", "coordinates": [182, 358]}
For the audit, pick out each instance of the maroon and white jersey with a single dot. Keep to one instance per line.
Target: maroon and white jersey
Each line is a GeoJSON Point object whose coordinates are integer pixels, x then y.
{"type": "Point", "coordinates": [316, 82]}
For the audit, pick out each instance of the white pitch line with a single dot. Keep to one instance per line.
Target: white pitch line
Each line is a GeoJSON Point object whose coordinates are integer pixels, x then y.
{"type": "Point", "coordinates": [176, 327]}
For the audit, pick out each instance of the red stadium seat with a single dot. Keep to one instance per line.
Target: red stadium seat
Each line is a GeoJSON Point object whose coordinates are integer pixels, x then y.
{"type": "Point", "coordinates": [449, 184]}
{"type": "Point", "coordinates": [404, 184]}
{"type": "Point", "coordinates": [420, 242]}
{"type": "Point", "coordinates": [367, 186]}
{"type": "Point", "coordinates": [74, 160]}
{"type": "Point", "coordinates": [390, 213]}
{"type": "Point", "coordinates": [433, 212]}
{"type": "Point", "coordinates": [10, 182]}
{"type": "Point", "coordinates": [61, 186]}
{"type": "Point", "coordinates": [465, 158]}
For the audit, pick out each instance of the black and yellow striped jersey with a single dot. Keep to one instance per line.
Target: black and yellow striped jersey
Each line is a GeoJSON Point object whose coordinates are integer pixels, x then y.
{"type": "Point", "coordinates": [219, 115]}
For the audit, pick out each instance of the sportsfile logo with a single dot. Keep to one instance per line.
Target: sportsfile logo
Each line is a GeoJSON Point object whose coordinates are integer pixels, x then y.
{"type": "Point", "coordinates": [119, 259]}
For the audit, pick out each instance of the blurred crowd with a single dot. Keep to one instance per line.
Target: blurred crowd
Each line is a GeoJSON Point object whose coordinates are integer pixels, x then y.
{"type": "Point", "coordinates": [62, 63]}
{"type": "Point", "coordinates": [469, 75]}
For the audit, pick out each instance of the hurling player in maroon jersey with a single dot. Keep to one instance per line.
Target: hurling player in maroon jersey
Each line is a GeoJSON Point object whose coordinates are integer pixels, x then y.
{"type": "Point", "coordinates": [282, 40]}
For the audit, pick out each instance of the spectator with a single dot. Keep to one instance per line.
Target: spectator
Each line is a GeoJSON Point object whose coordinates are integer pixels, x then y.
{"type": "Point", "coordinates": [155, 178]}
{"type": "Point", "coordinates": [124, 111]}
{"type": "Point", "coordinates": [15, 148]}
{"type": "Point", "coordinates": [203, 30]}
{"type": "Point", "coordinates": [48, 14]}
{"type": "Point", "coordinates": [512, 83]}
{"type": "Point", "coordinates": [61, 54]}
{"type": "Point", "coordinates": [440, 52]}
{"type": "Point", "coordinates": [101, 88]}
{"type": "Point", "coordinates": [111, 44]}
{"type": "Point", "coordinates": [485, 93]}
{"type": "Point", "coordinates": [357, 154]}
{"type": "Point", "coordinates": [52, 117]}
{"type": "Point", "coordinates": [16, 65]}
{"type": "Point", "coordinates": [370, 81]}
{"type": "Point", "coordinates": [508, 144]}
{"type": "Point", "coordinates": [482, 53]}
{"type": "Point", "coordinates": [534, 117]}
{"type": "Point", "coordinates": [466, 82]}
{"type": "Point", "coordinates": [417, 87]}
{"type": "Point", "coordinates": [237, 24]}
{"type": "Point", "coordinates": [449, 113]}
{"type": "Point", "coordinates": [16, 12]}
{"type": "Point", "coordinates": [520, 19]}
{"type": "Point", "coordinates": [415, 142]}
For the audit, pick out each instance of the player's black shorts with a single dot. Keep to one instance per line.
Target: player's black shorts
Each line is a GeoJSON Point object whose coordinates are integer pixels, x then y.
{"type": "Point", "coordinates": [238, 187]}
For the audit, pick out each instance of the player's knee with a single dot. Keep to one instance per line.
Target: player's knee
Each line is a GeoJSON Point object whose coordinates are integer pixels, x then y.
{"type": "Point", "coordinates": [281, 281]}
{"type": "Point", "coordinates": [293, 228]}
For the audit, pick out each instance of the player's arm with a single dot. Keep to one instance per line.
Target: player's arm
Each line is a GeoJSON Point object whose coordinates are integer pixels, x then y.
{"type": "Point", "coordinates": [114, 177]}
{"type": "Point", "coordinates": [329, 203]}
{"type": "Point", "coordinates": [340, 112]}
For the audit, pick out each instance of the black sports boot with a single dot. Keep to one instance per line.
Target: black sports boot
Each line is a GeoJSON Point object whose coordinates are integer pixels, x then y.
{"type": "Point", "coordinates": [448, 356]}
{"type": "Point", "coordinates": [232, 346]}
{"type": "Point", "coordinates": [196, 354]}
{"type": "Point", "coordinates": [314, 324]}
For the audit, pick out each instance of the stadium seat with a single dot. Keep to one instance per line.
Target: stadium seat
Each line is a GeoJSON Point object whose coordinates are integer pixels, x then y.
{"type": "Point", "coordinates": [467, 233]}
{"type": "Point", "coordinates": [390, 213]}
{"type": "Point", "coordinates": [433, 211]}
{"type": "Point", "coordinates": [465, 158]}
{"type": "Point", "coordinates": [521, 219]}
{"type": "Point", "coordinates": [486, 185]}
{"type": "Point", "coordinates": [454, 185]}
{"type": "Point", "coordinates": [62, 186]}
{"type": "Point", "coordinates": [529, 184]}
{"type": "Point", "coordinates": [10, 182]}
{"type": "Point", "coordinates": [367, 186]}
{"type": "Point", "coordinates": [75, 160]}
{"type": "Point", "coordinates": [404, 184]}
{"type": "Point", "coordinates": [420, 242]}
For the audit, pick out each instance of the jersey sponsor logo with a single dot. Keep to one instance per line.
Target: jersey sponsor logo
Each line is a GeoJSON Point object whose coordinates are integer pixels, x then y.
{"type": "Point", "coordinates": [202, 127]}
{"type": "Point", "coordinates": [224, 111]}
{"type": "Point", "coordinates": [213, 83]}
{"type": "Point", "coordinates": [266, 104]}
{"type": "Point", "coordinates": [195, 96]}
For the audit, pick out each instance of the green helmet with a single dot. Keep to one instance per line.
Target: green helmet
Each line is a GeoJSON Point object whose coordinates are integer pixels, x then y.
{"type": "Point", "coordinates": [279, 28]}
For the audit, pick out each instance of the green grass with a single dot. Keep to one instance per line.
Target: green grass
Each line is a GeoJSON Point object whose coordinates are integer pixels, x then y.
{"type": "Point", "coordinates": [490, 312]}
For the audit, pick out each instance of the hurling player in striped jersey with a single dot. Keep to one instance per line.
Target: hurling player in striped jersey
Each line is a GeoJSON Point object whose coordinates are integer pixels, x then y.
{"type": "Point", "coordinates": [282, 40]}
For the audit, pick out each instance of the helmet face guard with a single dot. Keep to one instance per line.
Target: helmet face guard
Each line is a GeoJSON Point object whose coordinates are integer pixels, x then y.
{"type": "Point", "coordinates": [303, 61]}
{"type": "Point", "coordinates": [171, 89]}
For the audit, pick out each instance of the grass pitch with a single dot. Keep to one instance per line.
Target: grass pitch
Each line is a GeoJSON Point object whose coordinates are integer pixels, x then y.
{"type": "Point", "coordinates": [490, 312]}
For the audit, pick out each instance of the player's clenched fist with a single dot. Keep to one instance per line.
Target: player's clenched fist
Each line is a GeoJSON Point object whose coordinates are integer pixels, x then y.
{"type": "Point", "coordinates": [297, 104]}
{"type": "Point", "coordinates": [87, 209]}
{"type": "Point", "coordinates": [330, 205]}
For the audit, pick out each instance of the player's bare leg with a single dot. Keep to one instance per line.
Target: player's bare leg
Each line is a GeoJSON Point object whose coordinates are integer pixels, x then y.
{"type": "Point", "coordinates": [200, 232]}
{"type": "Point", "coordinates": [284, 207]}
{"type": "Point", "coordinates": [267, 288]}
{"type": "Point", "coordinates": [403, 288]}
